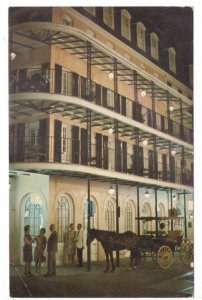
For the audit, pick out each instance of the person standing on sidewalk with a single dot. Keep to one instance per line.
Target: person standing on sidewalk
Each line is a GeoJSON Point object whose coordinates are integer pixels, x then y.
{"type": "Point", "coordinates": [71, 244]}
{"type": "Point", "coordinates": [52, 249]}
{"type": "Point", "coordinates": [27, 251]}
{"type": "Point", "coordinates": [39, 249]}
{"type": "Point", "coordinates": [79, 239]}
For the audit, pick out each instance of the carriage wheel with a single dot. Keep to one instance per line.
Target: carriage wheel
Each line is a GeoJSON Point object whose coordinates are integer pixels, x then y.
{"type": "Point", "coordinates": [186, 251]}
{"type": "Point", "coordinates": [164, 257]}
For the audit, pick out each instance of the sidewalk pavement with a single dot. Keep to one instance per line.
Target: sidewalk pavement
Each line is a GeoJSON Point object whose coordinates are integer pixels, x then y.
{"type": "Point", "coordinates": [148, 280]}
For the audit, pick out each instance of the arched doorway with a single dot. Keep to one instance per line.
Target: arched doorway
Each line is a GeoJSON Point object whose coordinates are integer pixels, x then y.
{"type": "Point", "coordinates": [34, 213]}
{"type": "Point", "coordinates": [146, 212]}
{"type": "Point", "coordinates": [64, 216]}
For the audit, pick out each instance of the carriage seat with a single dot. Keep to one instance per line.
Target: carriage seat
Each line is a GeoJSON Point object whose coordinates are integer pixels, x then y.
{"type": "Point", "coordinates": [175, 235]}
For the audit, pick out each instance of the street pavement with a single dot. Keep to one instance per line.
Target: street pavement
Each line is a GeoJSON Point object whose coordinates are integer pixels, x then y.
{"type": "Point", "coordinates": [148, 280]}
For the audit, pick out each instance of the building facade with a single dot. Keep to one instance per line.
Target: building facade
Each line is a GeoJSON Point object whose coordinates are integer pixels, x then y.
{"type": "Point", "coordinates": [100, 126]}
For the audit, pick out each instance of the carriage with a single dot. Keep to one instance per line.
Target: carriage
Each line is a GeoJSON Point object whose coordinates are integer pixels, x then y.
{"type": "Point", "coordinates": [164, 246]}
{"type": "Point", "coordinates": [161, 247]}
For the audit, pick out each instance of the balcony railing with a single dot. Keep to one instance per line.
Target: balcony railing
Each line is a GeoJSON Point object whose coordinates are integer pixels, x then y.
{"type": "Point", "coordinates": [70, 151]}
{"type": "Point", "coordinates": [71, 84]}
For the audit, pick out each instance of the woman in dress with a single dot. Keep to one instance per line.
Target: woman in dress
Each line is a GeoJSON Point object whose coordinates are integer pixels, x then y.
{"type": "Point", "coordinates": [39, 250]}
{"type": "Point", "coordinates": [71, 244]}
{"type": "Point", "coordinates": [27, 250]}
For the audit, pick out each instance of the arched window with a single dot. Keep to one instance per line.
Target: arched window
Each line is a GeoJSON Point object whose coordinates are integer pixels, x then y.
{"type": "Point", "coordinates": [161, 210]}
{"type": "Point", "coordinates": [154, 46]}
{"type": "Point", "coordinates": [128, 217]}
{"type": "Point", "coordinates": [108, 16]}
{"type": "Point", "coordinates": [110, 216]}
{"type": "Point", "coordinates": [172, 59]}
{"type": "Point", "coordinates": [146, 212]}
{"type": "Point", "coordinates": [33, 213]}
{"type": "Point", "coordinates": [125, 24]}
{"type": "Point", "coordinates": [63, 217]}
{"type": "Point", "coordinates": [141, 36]}
{"type": "Point", "coordinates": [92, 210]}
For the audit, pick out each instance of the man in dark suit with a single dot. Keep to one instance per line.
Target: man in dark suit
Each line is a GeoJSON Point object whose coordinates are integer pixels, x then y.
{"type": "Point", "coordinates": [52, 249]}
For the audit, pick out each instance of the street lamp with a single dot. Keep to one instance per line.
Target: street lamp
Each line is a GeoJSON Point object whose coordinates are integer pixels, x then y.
{"type": "Point", "coordinates": [147, 194]}
{"type": "Point", "coordinates": [111, 190]}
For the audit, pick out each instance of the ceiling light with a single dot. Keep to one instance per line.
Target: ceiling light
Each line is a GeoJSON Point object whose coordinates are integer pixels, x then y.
{"type": "Point", "coordinates": [12, 55]}
{"type": "Point", "coordinates": [173, 152]}
{"type": "Point", "coordinates": [143, 93]}
{"type": "Point", "coordinates": [171, 108]}
{"type": "Point", "coordinates": [110, 130]}
{"type": "Point", "coordinates": [111, 75]}
{"type": "Point", "coordinates": [147, 194]}
{"type": "Point", "coordinates": [145, 142]}
{"type": "Point", "coordinates": [111, 190]}
{"type": "Point", "coordinates": [174, 197]}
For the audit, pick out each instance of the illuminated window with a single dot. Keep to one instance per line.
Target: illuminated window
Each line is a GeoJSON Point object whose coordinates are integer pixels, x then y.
{"type": "Point", "coordinates": [110, 216]}
{"type": "Point", "coordinates": [90, 9]}
{"type": "Point", "coordinates": [66, 82]}
{"type": "Point", "coordinates": [108, 16]}
{"type": "Point", "coordinates": [125, 24]}
{"type": "Point", "coordinates": [154, 46]}
{"type": "Point", "coordinates": [172, 59]}
{"type": "Point", "coordinates": [128, 217]}
{"type": "Point", "coordinates": [63, 217]}
{"type": "Point", "coordinates": [33, 213]}
{"type": "Point", "coordinates": [141, 36]}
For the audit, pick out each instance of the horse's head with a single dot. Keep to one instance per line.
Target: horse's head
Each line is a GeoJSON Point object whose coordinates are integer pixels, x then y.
{"type": "Point", "coordinates": [90, 236]}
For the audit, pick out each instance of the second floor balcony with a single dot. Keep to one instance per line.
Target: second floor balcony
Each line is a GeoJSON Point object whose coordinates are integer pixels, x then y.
{"type": "Point", "coordinates": [120, 158]}
{"type": "Point", "coordinates": [71, 84]}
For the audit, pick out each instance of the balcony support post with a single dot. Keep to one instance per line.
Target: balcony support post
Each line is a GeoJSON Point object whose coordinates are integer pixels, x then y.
{"type": "Point", "coordinates": [89, 127]}
{"type": "Point", "coordinates": [185, 216]}
{"type": "Point", "coordinates": [156, 210]}
{"type": "Point", "coordinates": [171, 206]}
{"type": "Point", "coordinates": [138, 208]}
{"type": "Point", "coordinates": [117, 221]}
{"type": "Point", "coordinates": [153, 105]}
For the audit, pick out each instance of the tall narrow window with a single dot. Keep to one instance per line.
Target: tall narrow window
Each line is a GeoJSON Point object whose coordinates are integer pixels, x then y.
{"type": "Point", "coordinates": [63, 217]}
{"type": "Point", "coordinates": [125, 24]}
{"type": "Point", "coordinates": [110, 216]}
{"type": "Point", "coordinates": [146, 212]}
{"type": "Point", "coordinates": [154, 46]}
{"type": "Point", "coordinates": [128, 217]}
{"type": "Point", "coordinates": [141, 36]}
{"type": "Point", "coordinates": [172, 59]}
{"type": "Point", "coordinates": [66, 82]}
{"type": "Point", "coordinates": [33, 213]}
{"type": "Point", "coordinates": [108, 16]}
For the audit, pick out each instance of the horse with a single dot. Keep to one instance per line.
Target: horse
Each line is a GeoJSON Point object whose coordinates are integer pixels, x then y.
{"type": "Point", "coordinates": [111, 241]}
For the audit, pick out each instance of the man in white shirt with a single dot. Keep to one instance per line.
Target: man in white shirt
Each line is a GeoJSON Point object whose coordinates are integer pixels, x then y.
{"type": "Point", "coordinates": [79, 239]}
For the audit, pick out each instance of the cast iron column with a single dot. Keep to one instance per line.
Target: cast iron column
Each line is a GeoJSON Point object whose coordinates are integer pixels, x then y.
{"type": "Point", "coordinates": [185, 215]}
{"type": "Point", "coordinates": [117, 220]}
{"type": "Point", "coordinates": [89, 86]}
{"type": "Point", "coordinates": [88, 228]}
{"type": "Point", "coordinates": [117, 154]}
{"type": "Point", "coordinates": [171, 206]}
{"type": "Point", "coordinates": [153, 106]}
{"type": "Point", "coordinates": [156, 209]}
{"type": "Point", "coordinates": [138, 208]}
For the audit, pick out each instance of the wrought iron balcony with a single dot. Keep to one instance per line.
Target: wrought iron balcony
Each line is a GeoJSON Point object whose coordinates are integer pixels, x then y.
{"type": "Point", "coordinates": [73, 151]}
